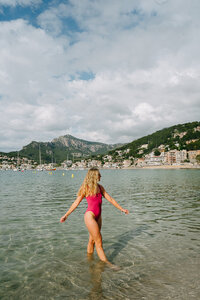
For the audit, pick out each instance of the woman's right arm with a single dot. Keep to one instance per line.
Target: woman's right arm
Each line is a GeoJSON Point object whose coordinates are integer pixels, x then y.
{"type": "Point", "coordinates": [72, 208]}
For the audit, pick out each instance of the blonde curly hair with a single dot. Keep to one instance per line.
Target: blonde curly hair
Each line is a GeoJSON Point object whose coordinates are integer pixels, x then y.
{"type": "Point", "coordinates": [90, 185]}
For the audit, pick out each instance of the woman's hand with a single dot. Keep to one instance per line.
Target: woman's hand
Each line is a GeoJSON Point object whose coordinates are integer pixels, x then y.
{"type": "Point", "coordinates": [63, 219]}
{"type": "Point", "coordinates": [126, 211]}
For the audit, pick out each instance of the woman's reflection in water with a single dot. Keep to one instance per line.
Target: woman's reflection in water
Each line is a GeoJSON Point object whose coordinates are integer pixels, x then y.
{"type": "Point", "coordinates": [96, 269]}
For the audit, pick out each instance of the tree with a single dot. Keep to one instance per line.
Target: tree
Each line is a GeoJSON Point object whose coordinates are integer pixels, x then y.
{"type": "Point", "coordinates": [156, 152]}
{"type": "Point", "coordinates": [198, 158]}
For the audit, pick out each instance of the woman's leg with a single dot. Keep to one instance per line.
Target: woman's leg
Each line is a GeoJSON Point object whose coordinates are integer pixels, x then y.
{"type": "Point", "coordinates": [90, 246]}
{"type": "Point", "coordinates": [91, 243]}
{"type": "Point", "coordinates": [99, 222]}
{"type": "Point", "coordinates": [94, 231]}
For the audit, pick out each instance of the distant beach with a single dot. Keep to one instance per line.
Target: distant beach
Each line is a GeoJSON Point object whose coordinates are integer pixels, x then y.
{"type": "Point", "coordinates": [166, 167]}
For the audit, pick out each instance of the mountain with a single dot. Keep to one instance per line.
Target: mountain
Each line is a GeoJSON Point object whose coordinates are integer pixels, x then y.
{"type": "Point", "coordinates": [63, 148]}
{"type": "Point", "coordinates": [182, 136]}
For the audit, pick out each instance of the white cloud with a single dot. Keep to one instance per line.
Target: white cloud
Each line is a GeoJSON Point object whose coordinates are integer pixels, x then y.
{"type": "Point", "coordinates": [50, 21]}
{"type": "Point", "coordinates": [20, 2]}
{"type": "Point", "coordinates": [144, 56]}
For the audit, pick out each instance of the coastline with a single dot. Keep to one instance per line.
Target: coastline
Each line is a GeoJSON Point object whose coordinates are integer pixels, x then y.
{"type": "Point", "coordinates": [165, 167]}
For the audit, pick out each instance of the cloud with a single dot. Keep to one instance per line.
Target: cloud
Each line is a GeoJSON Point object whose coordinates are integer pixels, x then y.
{"type": "Point", "coordinates": [14, 3]}
{"type": "Point", "coordinates": [100, 71]}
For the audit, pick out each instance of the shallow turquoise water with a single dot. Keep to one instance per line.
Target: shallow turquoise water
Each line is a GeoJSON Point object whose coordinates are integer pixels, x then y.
{"type": "Point", "coordinates": [156, 245]}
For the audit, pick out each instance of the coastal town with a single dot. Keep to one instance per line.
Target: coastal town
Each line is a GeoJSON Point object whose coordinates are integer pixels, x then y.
{"type": "Point", "coordinates": [159, 158]}
{"type": "Point", "coordinates": [173, 154]}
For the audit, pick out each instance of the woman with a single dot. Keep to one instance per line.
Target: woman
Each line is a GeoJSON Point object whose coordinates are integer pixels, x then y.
{"type": "Point", "coordinates": [92, 191]}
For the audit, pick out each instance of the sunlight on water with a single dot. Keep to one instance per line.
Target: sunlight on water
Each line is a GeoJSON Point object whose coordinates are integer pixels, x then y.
{"type": "Point", "coordinates": [156, 246]}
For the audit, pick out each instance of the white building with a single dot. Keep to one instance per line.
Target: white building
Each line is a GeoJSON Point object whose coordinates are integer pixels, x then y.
{"type": "Point", "coordinates": [81, 164]}
{"type": "Point", "coordinates": [94, 163]}
{"type": "Point", "coordinates": [127, 151]}
{"type": "Point", "coordinates": [153, 160]}
{"type": "Point", "coordinates": [6, 166]}
{"type": "Point", "coordinates": [161, 148]}
{"type": "Point", "coordinates": [126, 163]}
{"type": "Point", "coordinates": [197, 128]}
{"type": "Point", "coordinates": [115, 165]}
{"type": "Point", "coordinates": [181, 156]}
{"type": "Point", "coordinates": [107, 165]}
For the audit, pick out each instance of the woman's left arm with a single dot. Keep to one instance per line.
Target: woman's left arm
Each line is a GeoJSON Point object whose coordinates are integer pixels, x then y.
{"type": "Point", "coordinates": [72, 208]}
{"type": "Point", "coordinates": [113, 201]}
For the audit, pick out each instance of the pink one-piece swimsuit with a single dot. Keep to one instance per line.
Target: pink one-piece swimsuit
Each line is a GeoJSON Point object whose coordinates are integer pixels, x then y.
{"type": "Point", "coordinates": [94, 204]}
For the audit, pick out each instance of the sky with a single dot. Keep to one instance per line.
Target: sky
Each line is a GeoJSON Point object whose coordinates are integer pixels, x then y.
{"type": "Point", "coordinates": [107, 71]}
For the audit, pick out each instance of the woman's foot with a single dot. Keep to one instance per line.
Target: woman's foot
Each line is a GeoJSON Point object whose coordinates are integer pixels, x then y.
{"type": "Point", "coordinates": [113, 267]}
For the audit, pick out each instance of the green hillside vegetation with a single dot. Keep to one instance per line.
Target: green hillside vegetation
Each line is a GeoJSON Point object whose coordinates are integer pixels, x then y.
{"type": "Point", "coordinates": [57, 152]}
{"type": "Point", "coordinates": [69, 147]}
{"type": "Point", "coordinates": [163, 137]}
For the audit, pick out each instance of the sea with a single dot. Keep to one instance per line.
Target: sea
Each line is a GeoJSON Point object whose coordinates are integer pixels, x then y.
{"type": "Point", "coordinates": [156, 247]}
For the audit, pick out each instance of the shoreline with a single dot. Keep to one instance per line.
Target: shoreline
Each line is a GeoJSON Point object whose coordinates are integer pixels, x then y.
{"type": "Point", "coordinates": [162, 167]}
{"type": "Point", "coordinates": [165, 167]}
{"type": "Point", "coordinates": [140, 168]}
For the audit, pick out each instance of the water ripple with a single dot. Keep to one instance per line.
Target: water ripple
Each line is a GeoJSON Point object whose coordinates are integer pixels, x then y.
{"type": "Point", "coordinates": [156, 245]}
